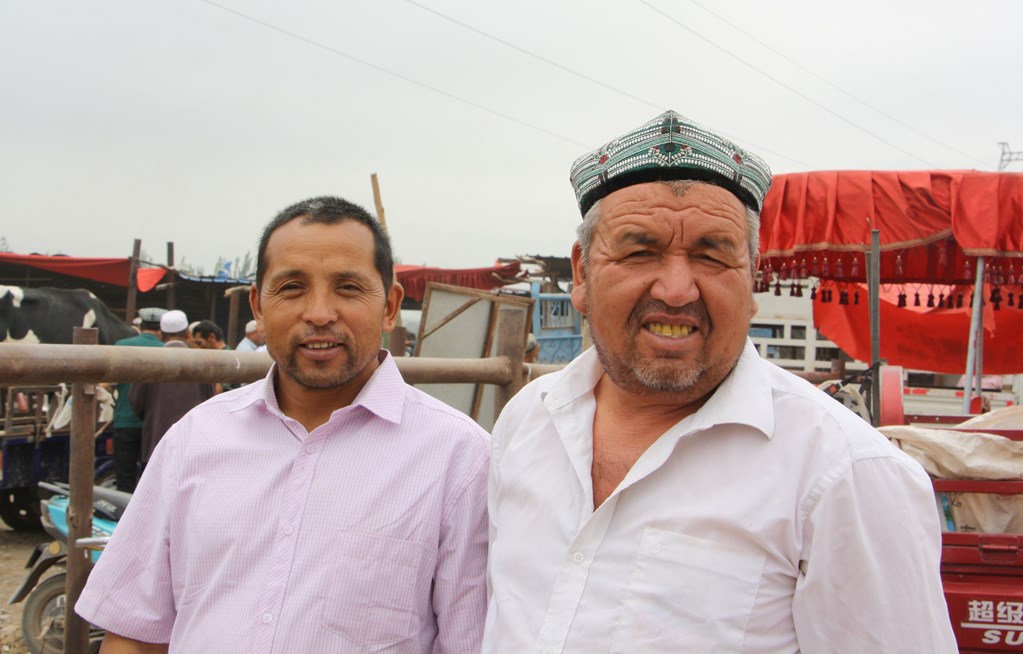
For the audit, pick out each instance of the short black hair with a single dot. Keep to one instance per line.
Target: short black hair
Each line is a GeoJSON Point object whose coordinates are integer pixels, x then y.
{"type": "Point", "coordinates": [330, 210]}
{"type": "Point", "coordinates": [206, 327]}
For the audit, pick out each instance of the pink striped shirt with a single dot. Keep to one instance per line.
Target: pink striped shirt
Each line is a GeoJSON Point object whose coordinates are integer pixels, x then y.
{"type": "Point", "coordinates": [249, 534]}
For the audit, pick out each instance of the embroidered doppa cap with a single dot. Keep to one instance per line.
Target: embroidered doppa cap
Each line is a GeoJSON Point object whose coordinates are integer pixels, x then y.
{"type": "Point", "coordinates": [670, 147]}
{"type": "Point", "coordinates": [151, 314]}
{"type": "Point", "coordinates": [173, 322]}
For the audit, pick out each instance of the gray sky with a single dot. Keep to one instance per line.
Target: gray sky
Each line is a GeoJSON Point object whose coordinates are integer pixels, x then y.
{"type": "Point", "coordinates": [195, 122]}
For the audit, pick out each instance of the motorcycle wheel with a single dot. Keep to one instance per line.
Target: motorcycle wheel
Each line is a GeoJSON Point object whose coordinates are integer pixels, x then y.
{"type": "Point", "coordinates": [42, 619]}
{"type": "Point", "coordinates": [19, 508]}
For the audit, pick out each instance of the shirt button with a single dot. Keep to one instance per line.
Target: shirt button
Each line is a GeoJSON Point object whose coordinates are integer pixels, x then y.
{"type": "Point", "coordinates": [548, 651]}
{"type": "Point", "coordinates": [578, 557]}
{"type": "Point", "coordinates": [310, 448]}
{"type": "Point", "coordinates": [288, 529]}
{"type": "Point", "coordinates": [267, 618]}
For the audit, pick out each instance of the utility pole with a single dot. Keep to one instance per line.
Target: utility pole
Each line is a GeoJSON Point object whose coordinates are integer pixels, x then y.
{"type": "Point", "coordinates": [399, 335]}
{"type": "Point", "coordinates": [1007, 156]}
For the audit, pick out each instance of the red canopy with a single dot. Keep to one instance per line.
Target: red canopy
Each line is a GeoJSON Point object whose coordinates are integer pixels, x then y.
{"type": "Point", "coordinates": [931, 223]}
{"type": "Point", "coordinates": [109, 271]}
{"type": "Point", "coordinates": [932, 226]}
{"type": "Point", "coordinates": [922, 338]}
{"type": "Point", "coordinates": [414, 278]}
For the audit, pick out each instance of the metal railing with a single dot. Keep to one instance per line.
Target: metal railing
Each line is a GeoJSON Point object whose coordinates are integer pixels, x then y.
{"type": "Point", "coordinates": [86, 364]}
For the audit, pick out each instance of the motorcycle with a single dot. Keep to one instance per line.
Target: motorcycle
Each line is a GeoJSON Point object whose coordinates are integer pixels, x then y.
{"type": "Point", "coordinates": [42, 620]}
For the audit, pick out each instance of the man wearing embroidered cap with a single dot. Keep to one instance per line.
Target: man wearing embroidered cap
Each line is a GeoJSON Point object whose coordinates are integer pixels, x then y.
{"type": "Point", "coordinates": [671, 491]}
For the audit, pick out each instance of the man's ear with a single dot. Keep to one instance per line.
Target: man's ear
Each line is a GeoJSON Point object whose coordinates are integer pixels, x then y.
{"type": "Point", "coordinates": [578, 279]}
{"type": "Point", "coordinates": [257, 310]}
{"type": "Point", "coordinates": [392, 306]}
{"type": "Point", "coordinates": [755, 307]}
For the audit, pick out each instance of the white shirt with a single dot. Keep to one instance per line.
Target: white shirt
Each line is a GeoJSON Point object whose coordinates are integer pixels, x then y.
{"type": "Point", "coordinates": [245, 345]}
{"type": "Point", "coordinates": [771, 520]}
{"type": "Point", "coordinates": [249, 534]}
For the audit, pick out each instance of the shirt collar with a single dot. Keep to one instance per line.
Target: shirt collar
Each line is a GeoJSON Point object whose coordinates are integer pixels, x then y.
{"type": "Point", "coordinates": [744, 397]}
{"type": "Point", "coordinates": [383, 395]}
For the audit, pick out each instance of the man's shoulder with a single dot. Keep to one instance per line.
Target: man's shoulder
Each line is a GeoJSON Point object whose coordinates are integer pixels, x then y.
{"type": "Point", "coordinates": [421, 406]}
{"type": "Point", "coordinates": [149, 340]}
{"type": "Point", "coordinates": [821, 422]}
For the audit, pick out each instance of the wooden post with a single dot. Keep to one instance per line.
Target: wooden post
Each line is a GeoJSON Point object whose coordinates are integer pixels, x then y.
{"type": "Point", "coordinates": [171, 297]}
{"type": "Point", "coordinates": [232, 316]}
{"type": "Point", "coordinates": [398, 337]}
{"type": "Point", "coordinates": [379, 202]}
{"type": "Point", "coordinates": [79, 515]}
{"type": "Point", "coordinates": [511, 343]}
{"type": "Point", "coordinates": [133, 285]}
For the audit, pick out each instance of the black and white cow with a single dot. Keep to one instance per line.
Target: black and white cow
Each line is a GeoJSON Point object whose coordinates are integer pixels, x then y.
{"type": "Point", "coordinates": [49, 315]}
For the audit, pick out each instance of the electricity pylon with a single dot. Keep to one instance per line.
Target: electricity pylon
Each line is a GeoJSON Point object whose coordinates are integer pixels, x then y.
{"type": "Point", "coordinates": [1007, 156]}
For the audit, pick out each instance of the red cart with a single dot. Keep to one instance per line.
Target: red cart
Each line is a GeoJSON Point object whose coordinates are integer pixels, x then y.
{"type": "Point", "coordinates": [983, 577]}
{"type": "Point", "coordinates": [982, 573]}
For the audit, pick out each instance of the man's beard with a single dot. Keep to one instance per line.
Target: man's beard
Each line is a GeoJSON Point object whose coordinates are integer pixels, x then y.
{"type": "Point", "coordinates": [662, 375]}
{"type": "Point", "coordinates": [327, 376]}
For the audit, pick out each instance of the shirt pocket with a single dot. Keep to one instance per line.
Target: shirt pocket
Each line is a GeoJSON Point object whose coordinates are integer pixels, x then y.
{"type": "Point", "coordinates": [371, 592]}
{"type": "Point", "coordinates": [689, 595]}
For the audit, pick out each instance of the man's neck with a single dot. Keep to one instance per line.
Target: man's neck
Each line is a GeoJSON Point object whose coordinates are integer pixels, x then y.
{"type": "Point", "coordinates": [313, 406]}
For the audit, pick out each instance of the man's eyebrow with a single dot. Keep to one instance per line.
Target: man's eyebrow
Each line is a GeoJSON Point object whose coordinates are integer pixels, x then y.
{"type": "Point", "coordinates": [285, 274]}
{"type": "Point", "coordinates": [339, 275]}
{"type": "Point", "coordinates": [633, 237]}
{"type": "Point", "coordinates": [717, 242]}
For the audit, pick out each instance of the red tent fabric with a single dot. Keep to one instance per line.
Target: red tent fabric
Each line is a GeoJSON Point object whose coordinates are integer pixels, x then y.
{"type": "Point", "coordinates": [923, 338]}
{"type": "Point", "coordinates": [109, 271]}
{"type": "Point", "coordinates": [414, 278]}
{"type": "Point", "coordinates": [931, 223]}
{"type": "Point", "coordinates": [932, 226]}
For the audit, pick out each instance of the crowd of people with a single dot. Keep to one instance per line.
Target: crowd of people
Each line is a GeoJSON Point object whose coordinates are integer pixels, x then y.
{"type": "Point", "coordinates": [667, 491]}
{"type": "Point", "coordinates": [144, 412]}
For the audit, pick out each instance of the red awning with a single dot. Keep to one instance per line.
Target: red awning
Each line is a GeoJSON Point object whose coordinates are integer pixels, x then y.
{"type": "Point", "coordinates": [108, 271]}
{"type": "Point", "coordinates": [932, 225]}
{"type": "Point", "coordinates": [923, 338]}
{"type": "Point", "coordinates": [414, 278]}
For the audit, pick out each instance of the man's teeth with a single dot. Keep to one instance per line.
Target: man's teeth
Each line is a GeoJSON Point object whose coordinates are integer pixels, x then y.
{"type": "Point", "coordinates": [671, 331]}
{"type": "Point", "coordinates": [320, 346]}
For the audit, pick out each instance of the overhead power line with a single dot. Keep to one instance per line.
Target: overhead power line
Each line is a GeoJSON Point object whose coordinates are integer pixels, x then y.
{"type": "Point", "coordinates": [583, 76]}
{"type": "Point", "coordinates": [397, 75]}
{"type": "Point", "coordinates": [833, 85]}
{"type": "Point", "coordinates": [785, 86]}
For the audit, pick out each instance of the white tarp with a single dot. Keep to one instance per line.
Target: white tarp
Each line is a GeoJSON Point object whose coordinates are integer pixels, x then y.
{"type": "Point", "coordinates": [950, 454]}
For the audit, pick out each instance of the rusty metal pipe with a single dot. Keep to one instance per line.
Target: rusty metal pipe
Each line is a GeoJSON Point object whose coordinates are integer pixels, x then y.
{"type": "Point", "coordinates": [54, 364]}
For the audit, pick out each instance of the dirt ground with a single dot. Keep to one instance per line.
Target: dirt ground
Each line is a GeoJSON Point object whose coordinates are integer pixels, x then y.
{"type": "Point", "coordinates": [15, 548]}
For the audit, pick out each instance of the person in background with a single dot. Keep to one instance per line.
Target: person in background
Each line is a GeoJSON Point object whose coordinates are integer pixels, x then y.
{"type": "Point", "coordinates": [207, 335]}
{"type": "Point", "coordinates": [159, 404]}
{"type": "Point", "coordinates": [191, 333]}
{"type": "Point", "coordinates": [253, 337]}
{"type": "Point", "coordinates": [329, 508]}
{"type": "Point", "coordinates": [670, 490]}
{"type": "Point", "coordinates": [127, 425]}
{"type": "Point", "coordinates": [532, 352]}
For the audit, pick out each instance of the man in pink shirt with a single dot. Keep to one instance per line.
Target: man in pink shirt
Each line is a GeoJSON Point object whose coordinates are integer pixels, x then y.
{"type": "Point", "coordinates": [328, 508]}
